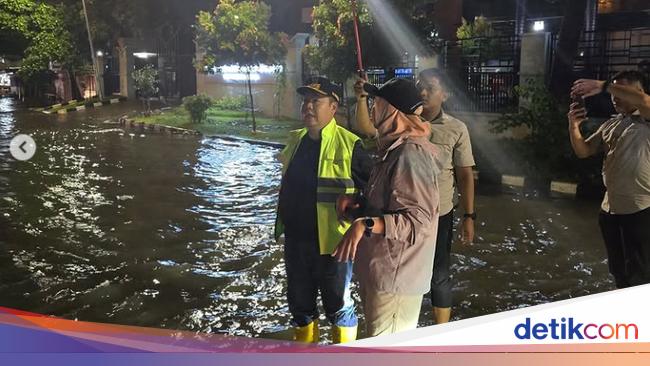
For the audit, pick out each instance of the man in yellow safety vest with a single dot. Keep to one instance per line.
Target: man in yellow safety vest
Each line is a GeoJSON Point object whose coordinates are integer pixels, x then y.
{"type": "Point", "coordinates": [320, 162]}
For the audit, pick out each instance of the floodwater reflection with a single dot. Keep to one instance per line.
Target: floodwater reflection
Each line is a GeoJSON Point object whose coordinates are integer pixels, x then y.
{"type": "Point", "coordinates": [176, 232]}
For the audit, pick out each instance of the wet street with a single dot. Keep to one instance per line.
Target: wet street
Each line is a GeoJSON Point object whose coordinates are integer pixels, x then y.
{"type": "Point", "coordinates": [155, 230]}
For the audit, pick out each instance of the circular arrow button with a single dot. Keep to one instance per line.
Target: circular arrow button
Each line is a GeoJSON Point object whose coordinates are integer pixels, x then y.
{"type": "Point", "coordinates": [22, 147]}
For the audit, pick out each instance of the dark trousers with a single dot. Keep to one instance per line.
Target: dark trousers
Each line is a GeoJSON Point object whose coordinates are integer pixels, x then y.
{"type": "Point", "coordinates": [627, 239]}
{"type": "Point", "coordinates": [441, 280]}
{"type": "Point", "coordinates": [308, 273]}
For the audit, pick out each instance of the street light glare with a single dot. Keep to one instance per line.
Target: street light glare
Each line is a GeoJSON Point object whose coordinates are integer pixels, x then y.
{"type": "Point", "coordinates": [144, 54]}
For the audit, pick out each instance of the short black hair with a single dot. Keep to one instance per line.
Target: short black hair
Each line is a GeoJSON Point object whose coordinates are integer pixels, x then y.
{"type": "Point", "coordinates": [644, 66]}
{"type": "Point", "coordinates": [439, 74]}
{"type": "Point", "coordinates": [631, 76]}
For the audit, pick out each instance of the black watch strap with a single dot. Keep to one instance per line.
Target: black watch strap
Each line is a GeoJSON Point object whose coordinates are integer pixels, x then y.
{"type": "Point", "coordinates": [369, 222]}
{"type": "Point", "coordinates": [470, 216]}
{"type": "Point", "coordinates": [605, 86]}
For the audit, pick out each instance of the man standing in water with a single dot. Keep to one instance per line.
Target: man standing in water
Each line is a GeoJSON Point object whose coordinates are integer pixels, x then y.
{"type": "Point", "coordinates": [625, 138]}
{"type": "Point", "coordinates": [451, 137]}
{"type": "Point", "coordinates": [320, 162]}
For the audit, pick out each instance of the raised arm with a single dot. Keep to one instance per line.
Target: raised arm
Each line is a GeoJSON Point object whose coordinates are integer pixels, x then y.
{"type": "Point", "coordinates": [628, 93]}
{"type": "Point", "coordinates": [363, 124]}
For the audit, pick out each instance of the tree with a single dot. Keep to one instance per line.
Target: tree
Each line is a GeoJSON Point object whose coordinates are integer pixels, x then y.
{"type": "Point", "coordinates": [42, 31]}
{"type": "Point", "coordinates": [108, 21]}
{"type": "Point", "coordinates": [236, 33]}
{"type": "Point", "coordinates": [54, 30]}
{"type": "Point", "coordinates": [145, 80]}
{"type": "Point", "coordinates": [333, 27]}
{"type": "Point", "coordinates": [477, 38]}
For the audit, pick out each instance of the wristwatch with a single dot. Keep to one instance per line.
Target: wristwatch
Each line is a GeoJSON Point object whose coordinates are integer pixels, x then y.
{"type": "Point", "coordinates": [369, 222]}
{"type": "Point", "coordinates": [470, 216]}
{"type": "Point", "coordinates": [606, 84]}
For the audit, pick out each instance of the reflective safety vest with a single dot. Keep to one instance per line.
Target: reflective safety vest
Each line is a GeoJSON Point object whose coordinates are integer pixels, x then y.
{"type": "Point", "coordinates": [334, 179]}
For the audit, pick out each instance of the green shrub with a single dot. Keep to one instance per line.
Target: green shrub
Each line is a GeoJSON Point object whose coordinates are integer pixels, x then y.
{"type": "Point", "coordinates": [478, 38]}
{"type": "Point", "coordinates": [146, 83]}
{"type": "Point", "coordinates": [546, 150]}
{"type": "Point", "coordinates": [197, 105]}
{"type": "Point", "coordinates": [229, 103]}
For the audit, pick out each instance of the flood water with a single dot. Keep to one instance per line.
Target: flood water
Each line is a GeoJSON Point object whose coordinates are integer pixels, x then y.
{"type": "Point", "coordinates": [154, 230]}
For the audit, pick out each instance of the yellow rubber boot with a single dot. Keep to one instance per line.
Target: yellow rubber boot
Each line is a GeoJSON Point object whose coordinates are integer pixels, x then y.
{"type": "Point", "coordinates": [344, 334]}
{"type": "Point", "coordinates": [307, 334]}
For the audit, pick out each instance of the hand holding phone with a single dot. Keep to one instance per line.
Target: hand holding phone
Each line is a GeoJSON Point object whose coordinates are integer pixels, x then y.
{"type": "Point", "coordinates": [577, 112]}
{"type": "Point", "coordinates": [579, 100]}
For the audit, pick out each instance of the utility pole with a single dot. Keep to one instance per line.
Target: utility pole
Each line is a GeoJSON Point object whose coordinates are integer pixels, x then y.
{"type": "Point", "coordinates": [100, 92]}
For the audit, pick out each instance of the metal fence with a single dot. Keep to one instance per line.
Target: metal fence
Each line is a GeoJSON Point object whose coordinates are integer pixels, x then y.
{"type": "Point", "coordinates": [483, 73]}
{"type": "Point", "coordinates": [378, 76]}
{"type": "Point", "coordinates": [484, 91]}
{"type": "Point", "coordinates": [601, 54]}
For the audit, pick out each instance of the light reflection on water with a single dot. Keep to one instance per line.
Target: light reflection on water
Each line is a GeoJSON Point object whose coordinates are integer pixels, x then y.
{"type": "Point", "coordinates": [176, 232]}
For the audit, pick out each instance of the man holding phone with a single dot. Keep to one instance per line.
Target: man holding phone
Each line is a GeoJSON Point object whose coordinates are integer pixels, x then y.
{"type": "Point", "coordinates": [625, 138]}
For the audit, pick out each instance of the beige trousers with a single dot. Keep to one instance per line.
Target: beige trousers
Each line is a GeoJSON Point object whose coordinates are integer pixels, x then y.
{"type": "Point", "coordinates": [387, 313]}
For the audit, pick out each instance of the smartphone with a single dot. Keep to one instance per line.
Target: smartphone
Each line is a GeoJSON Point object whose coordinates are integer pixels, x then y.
{"type": "Point", "coordinates": [579, 100]}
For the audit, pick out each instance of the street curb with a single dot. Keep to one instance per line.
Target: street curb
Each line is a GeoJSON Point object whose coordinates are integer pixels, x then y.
{"type": "Point", "coordinates": [155, 128]}
{"type": "Point", "coordinates": [563, 189]}
{"type": "Point", "coordinates": [82, 107]}
{"type": "Point", "coordinates": [58, 105]}
{"type": "Point", "coordinates": [557, 189]}
{"type": "Point", "coordinates": [251, 141]}
{"type": "Point", "coordinates": [152, 127]}
{"type": "Point", "coordinates": [513, 181]}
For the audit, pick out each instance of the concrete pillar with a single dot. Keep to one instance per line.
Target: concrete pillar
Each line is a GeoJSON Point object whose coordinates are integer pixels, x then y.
{"type": "Point", "coordinates": [535, 58]}
{"type": "Point", "coordinates": [294, 71]}
{"type": "Point", "coordinates": [99, 84]}
{"type": "Point", "coordinates": [520, 16]}
{"type": "Point", "coordinates": [125, 50]}
{"type": "Point", "coordinates": [164, 83]}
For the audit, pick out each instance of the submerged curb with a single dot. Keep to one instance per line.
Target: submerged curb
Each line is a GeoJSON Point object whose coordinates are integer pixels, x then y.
{"type": "Point", "coordinates": [53, 109]}
{"type": "Point", "coordinates": [557, 189]}
{"type": "Point", "coordinates": [251, 141]}
{"type": "Point", "coordinates": [563, 189]}
{"type": "Point", "coordinates": [144, 127]}
{"type": "Point", "coordinates": [49, 108]}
